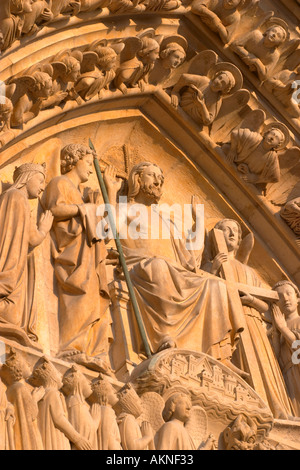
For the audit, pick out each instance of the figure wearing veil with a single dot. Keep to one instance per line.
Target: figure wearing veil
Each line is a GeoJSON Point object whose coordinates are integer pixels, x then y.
{"type": "Point", "coordinates": [18, 233]}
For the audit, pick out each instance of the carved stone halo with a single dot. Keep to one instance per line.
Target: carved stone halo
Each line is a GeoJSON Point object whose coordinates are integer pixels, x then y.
{"type": "Point", "coordinates": [228, 67]}
{"type": "Point", "coordinates": [282, 127]}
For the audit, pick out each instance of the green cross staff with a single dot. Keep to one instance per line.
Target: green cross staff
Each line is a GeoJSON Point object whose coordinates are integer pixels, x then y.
{"type": "Point", "coordinates": [121, 254]}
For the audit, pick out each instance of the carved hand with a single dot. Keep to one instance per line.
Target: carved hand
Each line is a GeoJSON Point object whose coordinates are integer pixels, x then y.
{"type": "Point", "coordinates": [175, 100]}
{"type": "Point", "coordinates": [217, 262]}
{"type": "Point", "coordinates": [96, 414]}
{"type": "Point", "coordinates": [113, 184]}
{"type": "Point", "coordinates": [46, 222]}
{"type": "Point", "coordinates": [10, 414]}
{"type": "Point", "coordinates": [83, 444]}
{"type": "Point", "coordinates": [146, 429]}
{"type": "Point", "coordinates": [278, 316]}
{"type": "Point", "coordinates": [247, 299]}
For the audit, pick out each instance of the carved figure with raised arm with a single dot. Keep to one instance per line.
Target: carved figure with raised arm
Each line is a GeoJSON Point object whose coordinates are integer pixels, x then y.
{"type": "Point", "coordinates": [261, 49]}
{"type": "Point", "coordinates": [28, 95]}
{"type": "Point", "coordinates": [202, 91]}
{"type": "Point", "coordinates": [221, 16]}
{"type": "Point", "coordinates": [79, 263]}
{"type": "Point", "coordinates": [175, 298]}
{"type": "Point", "coordinates": [137, 60]}
{"type": "Point", "coordinates": [257, 151]}
{"type": "Point", "coordinates": [77, 389]}
{"type": "Point", "coordinates": [133, 435]}
{"type": "Point", "coordinates": [18, 234]}
{"type": "Point", "coordinates": [98, 69]}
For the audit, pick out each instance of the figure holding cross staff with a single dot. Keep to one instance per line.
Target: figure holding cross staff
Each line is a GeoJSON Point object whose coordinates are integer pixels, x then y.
{"type": "Point", "coordinates": [254, 353]}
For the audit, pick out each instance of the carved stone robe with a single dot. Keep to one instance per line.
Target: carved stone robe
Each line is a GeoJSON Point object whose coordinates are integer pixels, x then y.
{"type": "Point", "coordinates": [192, 309]}
{"type": "Point", "coordinates": [173, 436]}
{"type": "Point", "coordinates": [270, 372]}
{"type": "Point", "coordinates": [27, 435]}
{"type": "Point", "coordinates": [108, 432]}
{"type": "Point", "coordinates": [259, 161]}
{"type": "Point", "coordinates": [15, 290]}
{"type": "Point", "coordinates": [79, 264]}
{"type": "Point", "coordinates": [81, 419]}
{"type": "Point", "coordinates": [52, 405]}
{"type": "Point", "coordinates": [291, 372]}
{"type": "Point", "coordinates": [191, 105]}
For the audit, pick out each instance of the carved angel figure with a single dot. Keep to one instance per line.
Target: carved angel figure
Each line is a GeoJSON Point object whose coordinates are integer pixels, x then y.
{"type": "Point", "coordinates": [77, 389]}
{"type": "Point", "coordinates": [291, 214]}
{"type": "Point", "coordinates": [221, 16]}
{"type": "Point", "coordinates": [257, 153]}
{"type": "Point", "coordinates": [38, 14]}
{"type": "Point", "coordinates": [66, 71]}
{"type": "Point", "coordinates": [261, 49]}
{"type": "Point", "coordinates": [133, 436]}
{"type": "Point", "coordinates": [282, 85]}
{"type": "Point", "coordinates": [18, 233]}
{"type": "Point", "coordinates": [106, 397]}
{"type": "Point", "coordinates": [171, 56]}
{"type": "Point", "coordinates": [28, 94]}
{"type": "Point", "coordinates": [98, 69]}
{"type": "Point", "coordinates": [11, 25]}
{"type": "Point", "coordinates": [137, 61]}
{"type": "Point", "coordinates": [202, 90]}
{"type": "Point", "coordinates": [54, 426]}
{"type": "Point", "coordinates": [286, 330]}
{"type": "Point", "coordinates": [24, 434]}
{"type": "Point", "coordinates": [173, 435]}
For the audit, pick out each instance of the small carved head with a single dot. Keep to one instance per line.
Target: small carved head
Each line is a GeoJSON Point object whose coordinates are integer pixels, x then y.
{"type": "Point", "coordinates": [149, 52]}
{"type": "Point", "coordinates": [75, 383]}
{"type": "Point", "coordinates": [107, 58]}
{"type": "Point", "coordinates": [178, 406]}
{"type": "Point", "coordinates": [21, 6]}
{"type": "Point", "coordinates": [71, 71]}
{"type": "Point", "coordinates": [273, 139]}
{"type": "Point", "coordinates": [15, 368]}
{"type": "Point", "coordinates": [148, 178]}
{"type": "Point", "coordinates": [275, 36]}
{"type": "Point", "coordinates": [42, 86]}
{"type": "Point", "coordinates": [71, 154]}
{"type": "Point", "coordinates": [45, 375]}
{"type": "Point", "coordinates": [289, 297]}
{"type": "Point", "coordinates": [31, 175]}
{"type": "Point", "coordinates": [232, 233]}
{"type": "Point", "coordinates": [223, 82]}
{"type": "Point", "coordinates": [173, 55]}
{"type": "Point", "coordinates": [104, 391]}
{"type": "Point", "coordinates": [129, 401]}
